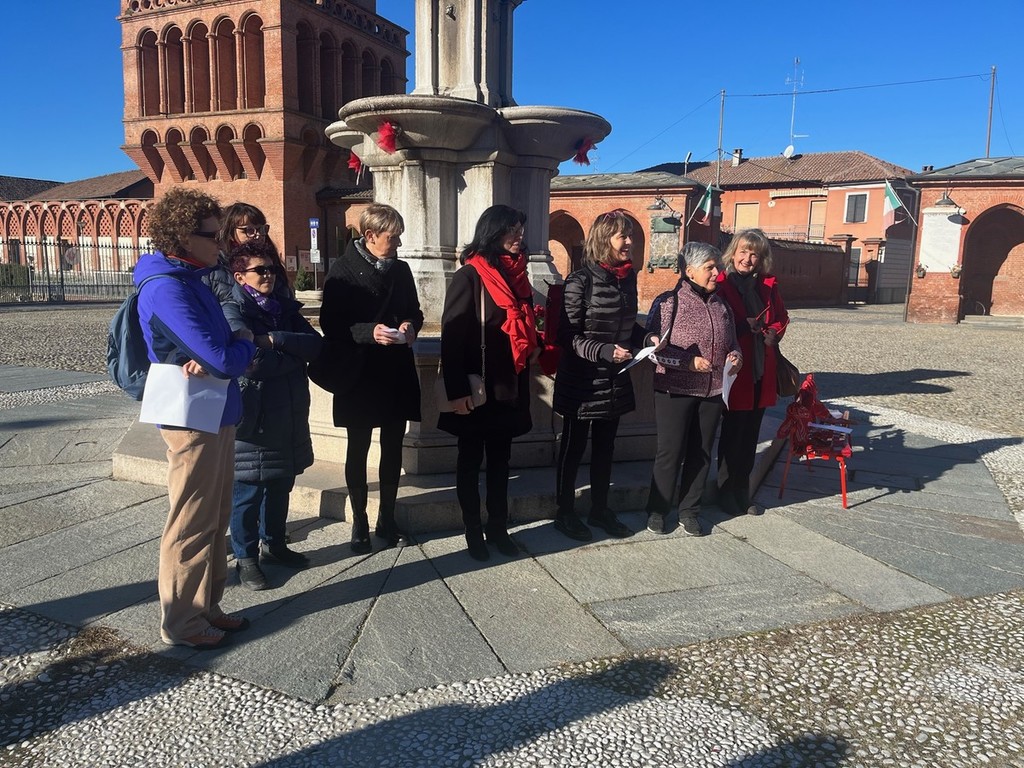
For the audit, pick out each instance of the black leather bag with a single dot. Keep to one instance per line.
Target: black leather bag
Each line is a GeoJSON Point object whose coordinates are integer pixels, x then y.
{"type": "Point", "coordinates": [787, 376]}
{"type": "Point", "coordinates": [338, 367]}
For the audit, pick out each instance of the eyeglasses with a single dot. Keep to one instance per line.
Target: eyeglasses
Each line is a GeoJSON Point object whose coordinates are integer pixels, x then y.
{"type": "Point", "coordinates": [252, 231]}
{"type": "Point", "coordinates": [262, 270]}
{"type": "Point", "coordinates": [207, 235]}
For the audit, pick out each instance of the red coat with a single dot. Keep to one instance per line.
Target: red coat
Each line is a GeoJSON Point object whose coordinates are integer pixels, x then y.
{"type": "Point", "coordinates": [741, 397]}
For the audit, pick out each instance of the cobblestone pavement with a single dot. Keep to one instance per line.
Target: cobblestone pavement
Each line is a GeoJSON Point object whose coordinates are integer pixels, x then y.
{"type": "Point", "coordinates": [936, 686]}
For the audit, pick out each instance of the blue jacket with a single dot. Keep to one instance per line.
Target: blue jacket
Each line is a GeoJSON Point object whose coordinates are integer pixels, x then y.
{"type": "Point", "coordinates": [182, 320]}
{"type": "Point", "coordinates": [273, 438]}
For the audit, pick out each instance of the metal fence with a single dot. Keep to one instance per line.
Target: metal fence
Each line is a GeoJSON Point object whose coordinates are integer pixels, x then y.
{"type": "Point", "coordinates": [63, 270]}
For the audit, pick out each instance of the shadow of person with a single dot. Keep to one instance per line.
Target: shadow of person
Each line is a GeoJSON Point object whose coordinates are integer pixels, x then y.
{"type": "Point", "coordinates": [466, 733]}
{"type": "Point", "coordinates": [810, 749]}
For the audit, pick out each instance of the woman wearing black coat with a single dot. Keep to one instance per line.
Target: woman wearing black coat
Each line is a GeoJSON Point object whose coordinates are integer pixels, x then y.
{"type": "Point", "coordinates": [495, 264]}
{"type": "Point", "coordinates": [598, 333]}
{"type": "Point", "coordinates": [272, 441]}
{"type": "Point", "coordinates": [370, 318]}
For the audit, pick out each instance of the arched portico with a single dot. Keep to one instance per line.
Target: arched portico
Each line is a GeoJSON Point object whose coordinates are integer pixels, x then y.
{"type": "Point", "coordinates": [565, 242]}
{"type": "Point", "coordinates": [994, 241]}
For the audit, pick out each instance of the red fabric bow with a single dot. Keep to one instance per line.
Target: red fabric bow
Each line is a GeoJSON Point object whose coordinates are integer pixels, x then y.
{"type": "Point", "coordinates": [387, 133]}
{"type": "Point", "coordinates": [583, 146]}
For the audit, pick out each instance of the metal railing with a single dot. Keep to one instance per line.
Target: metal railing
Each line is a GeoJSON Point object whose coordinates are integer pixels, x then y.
{"type": "Point", "coordinates": [62, 270]}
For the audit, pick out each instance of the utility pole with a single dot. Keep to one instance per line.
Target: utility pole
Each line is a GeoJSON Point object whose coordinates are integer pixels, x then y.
{"type": "Point", "coordinates": [991, 97]}
{"type": "Point", "coordinates": [721, 120]}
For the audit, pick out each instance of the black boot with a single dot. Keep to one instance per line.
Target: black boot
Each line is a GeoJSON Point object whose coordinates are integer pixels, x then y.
{"type": "Point", "coordinates": [475, 544]}
{"type": "Point", "coordinates": [360, 544]}
{"type": "Point", "coordinates": [386, 527]}
{"type": "Point", "coordinates": [727, 500]}
{"type": "Point", "coordinates": [497, 534]}
{"type": "Point", "coordinates": [606, 520]}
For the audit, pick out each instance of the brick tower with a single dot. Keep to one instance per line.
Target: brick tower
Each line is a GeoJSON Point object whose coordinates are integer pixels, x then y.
{"type": "Point", "coordinates": [234, 96]}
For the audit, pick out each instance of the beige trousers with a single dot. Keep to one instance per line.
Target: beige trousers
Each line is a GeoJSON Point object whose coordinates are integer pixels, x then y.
{"type": "Point", "coordinates": [193, 549]}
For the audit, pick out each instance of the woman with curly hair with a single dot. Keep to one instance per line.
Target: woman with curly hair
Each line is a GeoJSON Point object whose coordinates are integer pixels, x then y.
{"type": "Point", "coordinates": [183, 324]}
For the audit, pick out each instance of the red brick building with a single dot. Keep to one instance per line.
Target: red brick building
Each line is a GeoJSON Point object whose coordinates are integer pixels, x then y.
{"type": "Point", "coordinates": [970, 254]}
{"type": "Point", "coordinates": [231, 96]}
{"type": "Point", "coordinates": [822, 197]}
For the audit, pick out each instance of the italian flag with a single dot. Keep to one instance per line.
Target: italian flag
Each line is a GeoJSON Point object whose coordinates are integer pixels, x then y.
{"type": "Point", "coordinates": [703, 212]}
{"type": "Point", "coordinates": [891, 205]}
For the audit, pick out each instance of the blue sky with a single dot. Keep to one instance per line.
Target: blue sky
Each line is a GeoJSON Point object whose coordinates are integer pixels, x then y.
{"type": "Point", "coordinates": [654, 75]}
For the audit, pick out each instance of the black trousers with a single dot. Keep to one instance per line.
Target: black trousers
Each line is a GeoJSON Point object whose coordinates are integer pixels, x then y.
{"type": "Point", "coordinates": [737, 448]}
{"type": "Point", "coordinates": [573, 445]}
{"type": "Point", "coordinates": [390, 471]}
{"type": "Point", "coordinates": [686, 433]}
{"type": "Point", "coordinates": [472, 448]}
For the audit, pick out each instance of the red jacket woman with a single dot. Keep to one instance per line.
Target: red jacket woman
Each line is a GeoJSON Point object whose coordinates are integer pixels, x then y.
{"type": "Point", "coordinates": [760, 317]}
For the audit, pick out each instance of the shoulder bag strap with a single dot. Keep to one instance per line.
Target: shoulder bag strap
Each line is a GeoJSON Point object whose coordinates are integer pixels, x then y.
{"type": "Point", "coordinates": [483, 343]}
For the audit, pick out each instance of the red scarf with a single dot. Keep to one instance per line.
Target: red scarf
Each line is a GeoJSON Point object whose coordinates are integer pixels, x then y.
{"type": "Point", "coordinates": [519, 323]}
{"type": "Point", "coordinates": [621, 271]}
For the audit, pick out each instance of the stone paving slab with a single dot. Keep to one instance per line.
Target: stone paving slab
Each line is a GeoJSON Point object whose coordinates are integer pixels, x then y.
{"type": "Point", "coordinates": [16, 378]}
{"type": "Point", "coordinates": [841, 568]}
{"type": "Point", "coordinates": [526, 616]}
{"type": "Point", "coordinates": [416, 634]}
{"type": "Point", "coordinates": [652, 565]}
{"type": "Point", "coordinates": [720, 610]}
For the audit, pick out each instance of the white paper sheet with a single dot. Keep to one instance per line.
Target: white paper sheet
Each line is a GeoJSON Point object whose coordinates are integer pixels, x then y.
{"type": "Point", "coordinates": [728, 380]}
{"type": "Point", "coordinates": [171, 399]}
{"type": "Point", "coordinates": [643, 354]}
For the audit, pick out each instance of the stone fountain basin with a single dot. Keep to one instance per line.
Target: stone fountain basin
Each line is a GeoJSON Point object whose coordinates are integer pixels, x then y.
{"type": "Point", "coordinates": [426, 122]}
{"type": "Point", "coordinates": [551, 131]}
{"type": "Point", "coordinates": [340, 134]}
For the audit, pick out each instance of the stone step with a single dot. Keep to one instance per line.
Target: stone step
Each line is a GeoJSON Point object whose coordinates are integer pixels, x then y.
{"type": "Point", "coordinates": [994, 322]}
{"type": "Point", "coordinates": [428, 502]}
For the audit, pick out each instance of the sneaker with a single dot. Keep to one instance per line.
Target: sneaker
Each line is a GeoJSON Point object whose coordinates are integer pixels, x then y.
{"type": "Point", "coordinates": [250, 575]}
{"type": "Point", "coordinates": [226, 622]}
{"type": "Point", "coordinates": [285, 556]}
{"type": "Point", "coordinates": [690, 525]}
{"type": "Point", "coordinates": [571, 525]}
{"type": "Point", "coordinates": [503, 543]}
{"type": "Point", "coordinates": [207, 640]}
{"type": "Point", "coordinates": [610, 524]}
{"type": "Point", "coordinates": [656, 522]}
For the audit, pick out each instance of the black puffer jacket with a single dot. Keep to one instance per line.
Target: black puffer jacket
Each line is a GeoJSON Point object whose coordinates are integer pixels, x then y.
{"type": "Point", "coordinates": [598, 312]}
{"type": "Point", "coordinates": [272, 440]}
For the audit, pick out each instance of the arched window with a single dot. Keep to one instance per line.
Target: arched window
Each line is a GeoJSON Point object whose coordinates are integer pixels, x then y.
{"type": "Point", "coordinates": [227, 66]}
{"type": "Point", "coordinates": [371, 75]}
{"type": "Point", "coordinates": [149, 74]}
{"type": "Point", "coordinates": [149, 149]}
{"type": "Point", "coordinates": [181, 169]}
{"type": "Point", "coordinates": [251, 136]}
{"type": "Point", "coordinates": [304, 69]}
{"type": "Point", "coordinates": [174, 51]}
{"type": "Point", "coordinates": [349, 72]}
{"type": "Point", "coordinates": [253, 71]}
{"type": "Point", "coordinates": [328, 77]}
{"type": "Point", "coordinates": [388, 81]}
{"type": "Point", "coordinates": [197, 139]}
{"type": "Point", "coordinates": [226, 150]}
{"type": "Point", "coordinates": [199, 48]}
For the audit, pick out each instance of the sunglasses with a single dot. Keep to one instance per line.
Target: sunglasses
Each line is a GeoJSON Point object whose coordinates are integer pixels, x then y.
{"type": "Point", "coordinates": [253, 231]}
{"type": "Point", "coordinates": [262, 270]}
{"type": "Point", "coordinates": [207, 235]}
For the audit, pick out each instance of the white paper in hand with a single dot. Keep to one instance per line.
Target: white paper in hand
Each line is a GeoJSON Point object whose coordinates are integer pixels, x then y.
{"type": "Point", "coordinates": [172, 400]}
{"type": "Point", "coordinates": [643, 354]}
{"type": "Point", "coordinates": [731, 372]}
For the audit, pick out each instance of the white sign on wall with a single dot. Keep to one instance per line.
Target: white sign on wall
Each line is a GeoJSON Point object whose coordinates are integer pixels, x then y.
{"type": "Point", "coordinates": [940, 239]}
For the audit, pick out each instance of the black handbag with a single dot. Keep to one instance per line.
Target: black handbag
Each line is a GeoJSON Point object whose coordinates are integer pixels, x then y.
{"type": "Point", "coordinates": [477, 384]}
{"type": "Point", "coordinates": [787, 376]}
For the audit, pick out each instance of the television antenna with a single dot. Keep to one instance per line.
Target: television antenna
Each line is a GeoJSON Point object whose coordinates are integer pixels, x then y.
{"type": "Point", "coordinates": [797, 81]}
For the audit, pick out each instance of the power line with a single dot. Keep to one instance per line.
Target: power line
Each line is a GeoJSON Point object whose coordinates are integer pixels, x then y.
{"type": "Point", "coordinates": [663, 132]}
{"type": "Point", "coordinates": [983, 76]}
